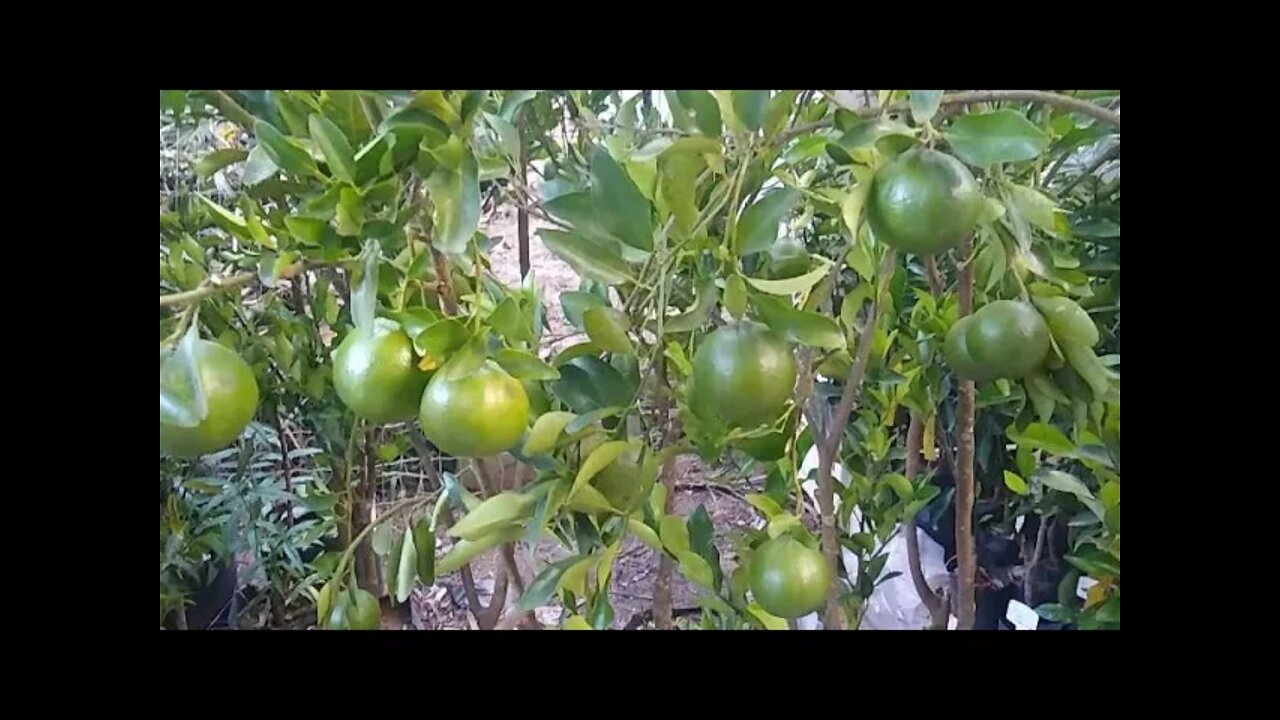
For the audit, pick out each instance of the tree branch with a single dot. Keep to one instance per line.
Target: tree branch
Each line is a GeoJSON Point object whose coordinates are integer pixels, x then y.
{"type": "Point", "coordinates": [215, 284]}
{"type": "Point", "coordinates": [1064, 102]}
{"type": "Point", "coordinates": [830, 445]}
{"type": "Point", "coordinates": [966, 556]}
{"type": "Point", "coordinates": [932, 602]}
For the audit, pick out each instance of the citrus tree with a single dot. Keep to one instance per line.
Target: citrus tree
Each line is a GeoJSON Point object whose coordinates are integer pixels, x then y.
{"type": "Point", "coordinates": [761, 273]}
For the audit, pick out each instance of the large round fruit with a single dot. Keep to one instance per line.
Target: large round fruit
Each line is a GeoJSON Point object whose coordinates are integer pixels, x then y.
{"type": "Point", "coordinates": [923, 202]}
{"type": "Point", "coordinates": [376, 375]}
{"type": "Point", "coordinates": [1007, 339]}
{"type": "Point", "coordinates": [745, 373]}
{"type": "Point", "coordinates": [363, 613]}
{"type": "Point", "coordinates": [476, 414]}
{"type": "Point", "coordinates": [788, 578]}
{"type": "Point", "coordinates": [956, 352]}
{"type": "Point", "coordinates": [232, 396]}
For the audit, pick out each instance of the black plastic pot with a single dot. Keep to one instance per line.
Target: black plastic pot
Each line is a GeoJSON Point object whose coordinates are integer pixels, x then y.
{"type": "Point", "coordinates": [216, 605]}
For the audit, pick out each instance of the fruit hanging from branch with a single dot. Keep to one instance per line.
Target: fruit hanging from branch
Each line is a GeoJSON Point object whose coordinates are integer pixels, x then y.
{"type": "Point", "coordinates": [923, 201]}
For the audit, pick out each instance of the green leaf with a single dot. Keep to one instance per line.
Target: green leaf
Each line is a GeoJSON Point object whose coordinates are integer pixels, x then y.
{"type": "Point", "coordinates": [349, 217]}
{"type": "Point", "coordinates": [457, 203]}
{"type": "Point", "coordinates": [851, 212]}
{"type": "Point", "coordinates": [750, 107]}
{"type": "Point", "coordinates": [770, 622]}
{"type": "Point", "coordinates": [218, 159]}
{"type": "Point", "coordinates": [644, 533]}
{"type": "Point", "coordinates": [575, 578]}
{"type": "Point", "coordinates": [798, 284]}
{"type": "Point", "coordinates": [598, 460]}
{"type": "Point", "coordinates": [704, 108]}
{"type": "Point", "coordinates": [758, 227]}
{"type": "Point", "coordinates": [861, 262]}
{"type": "Point", "coordinates": [1035, 206]}
{"type": "Point", "coordinates": [587, 258]}
{"type": "Point", "coordinates": [576, 303]}
{"type": "Point", "coordinates": [607, 328]}
{"type": "Point", "coordinates": [702, 542]}
{"type": "Point", "coordinates": [805, 149]}
{"type": "Point", "coordinates": [679, 189]}
{"type": "Point", "coordinates": [735, 296]}
{"type": "Point", "coordinates": [439, 341]}
{"type": "Point", "coordinates": [798, 326]}
{"type": "Point", "coordinates": [545, 583]}
{"type": "Point", "coordinates": [674, 534]}
{"type": "Point", "coordinates": [765, 504]}
{"type": "Point", "coordinates": [619, 203]}
{"type": "Point", "coordinates": [1042, 436]}
{"type": "Point", "coordinates": [900, 484]}
{"type": "Point", "coordinates": [1067, 321]}
{"type": "Point", "coordinates": [696, 568]}
{"type": "Point", "coordinates": [183, 403]}
{"type": "Point", "coordinates": [1053, 612]}
{"type": "Point", "coordinates": [408, 565]}
{"type": "Point", "coordinates": [364, 291]}
{"type": "Point", "coordinates": [333, 144]}
{"type": "Point", "coordinates": [1015, 483]}
{"type": "Point", "coordinates": [414, 320]}
{"type": "Point", "coordinates": [424, 541]}
{"type": "Point", "coordinates": [1001, 136]}
{"type": "Point", "coordinates": [524, 366]}
{"type": "Point", "coordinates": [259, 167]}
{"type": "Point", "coordinates": [507, 321]}
{"type": "Point", "coordinates": [512, 100]}
{"type": "Point", "coordinates": [924, 104]}
{"type": "Point", "coordinates": [226, 219]}
{"type": "Point", "coordinates": [545, 431]}
{"type": "Point", "coordinates": [284, 152]}
{"type": "Point", "coordinates": [587, 383]}
{"type": "Point", "coordinates": [1068, 483]}
{"type": "Point", "coordinates": [708, 296]}
{"type": "Point", "coordinates": [1086, 363]}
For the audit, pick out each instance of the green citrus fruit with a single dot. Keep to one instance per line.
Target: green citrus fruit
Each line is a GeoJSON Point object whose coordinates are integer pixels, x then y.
{"type": "Point", "coordinates": [231, 393]}
{"type": "Point", "coordinates": [477, 414]}
{"type": "Point", "coordinates": [377, 375]}
{"type": "Point", "coordinates": [1007, 339]}
{"type": "Point", "coordinates": [956, 352]}
{"type": "Point", "coordinates": [788, 578]}
{"type": "Point", "coordinates": [363, 613]}
{"type": "Point", "coordinates": [923, 202]}
{"type": "Point", "coordinates": [770, 447]}
{"type": "Point", "coordinates": [745, 372]}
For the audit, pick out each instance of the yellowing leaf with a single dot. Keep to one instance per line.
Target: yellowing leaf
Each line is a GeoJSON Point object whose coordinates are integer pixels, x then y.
{"type": "Point", "coordinates": [597, 461]}
{"type": "Point", "coordinates": [545, 431]}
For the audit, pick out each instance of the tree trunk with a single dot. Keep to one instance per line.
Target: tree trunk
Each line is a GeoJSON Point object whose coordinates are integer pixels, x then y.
{"type": "Point", "coordinates": [368, 569]}
{"type": "Point", "coordinates": [966, 555]}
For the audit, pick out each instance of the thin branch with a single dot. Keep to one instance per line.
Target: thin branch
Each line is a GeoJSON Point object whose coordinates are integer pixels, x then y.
{"type": "Point", "coordinates": [1035, 558]}
{"type": "Point", "coordinates": [522, 215]}
{"type": "Point", "coordinates": [215, 284]}
{"type": "Point", "coordinates": [1064, 102]}
{"type": "Point", "coordinates": [231, 109]}
{"type": "Point", "coordinates": [830, 445]}
{"type": "Point", "coordinates": [932, 602]}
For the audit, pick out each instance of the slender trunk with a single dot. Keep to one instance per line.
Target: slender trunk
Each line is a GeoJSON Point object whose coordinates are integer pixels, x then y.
{"type": "Point", "coordinates": [522, 215]}
{"type": "Point", "coordinates": [966, 554]}
{"type": "Point", "coordinates": [1045, 523]}
{"type": "Point", "coordinates": [662, 617]}
{"type": "Point", "coordinates": [368, 569]}
{"type": "Point", "coordinates": [286, 470]}
{"type": "Point", "coordinates": [507, 552]}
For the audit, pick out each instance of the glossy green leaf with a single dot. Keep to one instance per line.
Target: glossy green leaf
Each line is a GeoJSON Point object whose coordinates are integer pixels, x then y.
{"type": "Point", "coordinates": [524, 365]}
{"type": "Point", "coordinates": [645, 534]}
{"type": "Point", "coordinates": [183, 403]}
{"type": "Point", "coordinates": [545, 583]}
{"type": "Point", "coordinates": [218, 159]}
{"type": "Point", "coordinates": [750, 107]}
{"type": "Point", "coordinates": [438, 341]}
{"type": "Point", "coordinates": [1068, 483]}
{"type": "Point", "coordinates": [798, 284]}
{"type": "Point", "coordinates": [456, 195]}
{"type": "Point", "coordinates": [1067, 320]}
{"type": "Point", "coordinates": [758, 227]}
{"type": "Point", "coordinates": [587, 258]}
{"type": "Point", "coordinates": [284, 152]}
{"type": "Point", "coordinates": [708, 296]}
{"type": "Point", "coordinates": [674, 534]}
{"type": "Point", "coordinates": [1001, 136]}
{"type": "Point", "coordinates": [900, 484]}
{"type": "Point", "coordinates": [587, 383]}
{"type": "Point", "coordinates": [619, 204]}
{"type": "Point", "coordinates": [851, 212]}
{"type": "Point", "coordinates": [679, 189]}
{"type": "Point", "coordinates": [364, 289]}
{"type": "Point", "coordinates": [226, 219]}
{"type": "Point", "coordinates": [735, 296]}
{"type": "Point", "coordinates": [705, 110]}
{"type": "Point", "coordinates": [770, 622]}
{"type": "Point", "coordinates": [695, 567]}
{"type": "Point", "coordinates": [334, 146]}
{"type": "Point", "coordinates": [1015, 483]}
{"type": "Point", "coordinates": [407, 566]}
{"type": "Point", "coordinates": [575, 578]}
{"type": "Point", "coordinates": [799, 326]}
{"type": "Point", "coordinates": [545, 431]}
{"type": "Point", "coordinates": [259, 167]}
{"type": "Point", "coordinates": [607, 328]}
{"type": "Point", "coordinates": [1042, 436]}
{"type": "Point", "coordinates": [1085, 362]}
{"type": "Point", "coordinates": [598, 460]}
{"type": "Point", "coordinates": [424, 541]}
{"type": "Point", "coordinates": [575, 303]}
{"type": "Point", "coordinates": [349, 215]}
{"type": "Point", "coordinates": [765, 504]}
{"type": "Point", "coordinates": [1035, 206]}
{"type": "Point", "coordinates": [924, 104]}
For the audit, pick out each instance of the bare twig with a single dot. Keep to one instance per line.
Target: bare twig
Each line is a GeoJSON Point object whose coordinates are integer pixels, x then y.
{"type": "Point", "coordinates": [966, 556]}
{"type": "Point", "coordinates": [662, 583]}
{"type": "Point", "coordinates": [932, 602]}
{"type": "Point", "coordinates": [215, 284]}
{"type": "Point", "coordinates": [522, 215]}
{"type": "Point", "coordinates": [1035, 558]}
